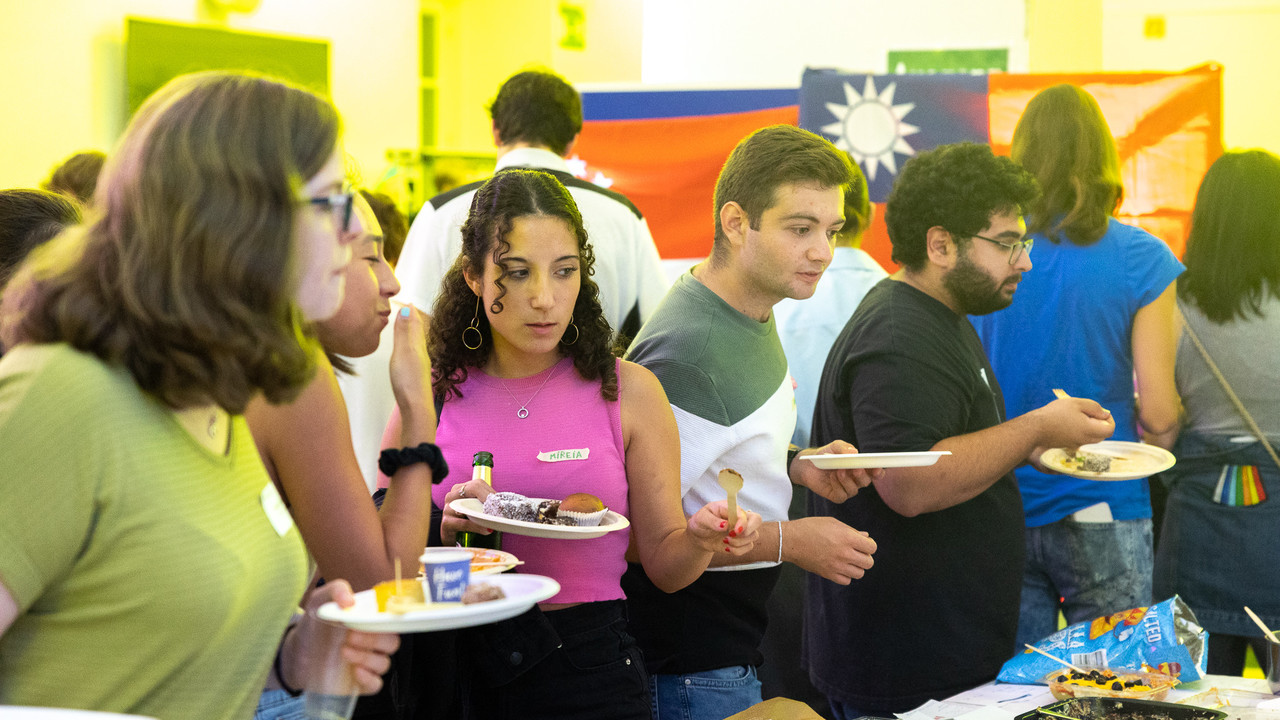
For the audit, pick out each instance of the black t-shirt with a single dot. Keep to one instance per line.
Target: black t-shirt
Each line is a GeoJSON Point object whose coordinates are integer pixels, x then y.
{"type": "Point", "coordinates": [938, 612]}
{"type": "Point", "coordinates": [716, 621]}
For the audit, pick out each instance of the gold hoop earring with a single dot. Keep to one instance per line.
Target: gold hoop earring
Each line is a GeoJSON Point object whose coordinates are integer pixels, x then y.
{"type": "Point", "coordinates": [575, 334]}
{"type": "Point", "coordinates": [475, 328]}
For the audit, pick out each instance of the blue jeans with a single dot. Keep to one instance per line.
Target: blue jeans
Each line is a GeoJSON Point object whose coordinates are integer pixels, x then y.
{"type": "Point", "coordinates": [706, 695]}
{"type": "Point", "coordinates": [279, 705]}
{"type": "Point", "coordinates": [1095, 568]}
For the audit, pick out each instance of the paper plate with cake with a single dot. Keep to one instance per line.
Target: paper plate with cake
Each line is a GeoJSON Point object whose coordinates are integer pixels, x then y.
{"type": "Point", "coordinates": [495, 598]}
{"type": "Point", "coordinates": [1109, 460]}
{"type": "Point", "coordinates": [579, 516]}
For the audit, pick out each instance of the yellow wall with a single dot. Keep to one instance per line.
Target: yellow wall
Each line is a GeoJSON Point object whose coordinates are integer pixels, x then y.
{"type": "Point", "coordinates": [1240, 35]}
{"type": "Point", "coordinates": [483, 42]}
{"type": "Point", "coordinates": [64, 86]}
{"type": "Point", "coordinates": [1064, 36]}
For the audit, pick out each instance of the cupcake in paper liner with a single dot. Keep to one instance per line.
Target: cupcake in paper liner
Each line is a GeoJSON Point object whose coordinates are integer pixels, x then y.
{"type": "Point", "coordinates": [583, 509]}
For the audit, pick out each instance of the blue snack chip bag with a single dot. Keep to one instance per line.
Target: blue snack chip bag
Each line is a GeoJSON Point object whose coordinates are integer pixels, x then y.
{"type": "Point", "coordinates": [1164, 637]}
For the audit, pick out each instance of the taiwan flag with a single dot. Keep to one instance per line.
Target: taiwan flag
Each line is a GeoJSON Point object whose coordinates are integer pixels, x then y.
{"type": "Point", "coordinates": [664, 149]}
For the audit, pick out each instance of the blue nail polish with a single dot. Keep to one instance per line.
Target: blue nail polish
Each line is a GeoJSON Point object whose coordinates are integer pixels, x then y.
{"type": "Point", "coordinates": [404, 312]}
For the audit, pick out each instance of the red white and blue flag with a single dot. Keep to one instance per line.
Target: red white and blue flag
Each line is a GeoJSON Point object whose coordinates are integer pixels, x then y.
{"type": "Point", "coordinates": [664, 148]}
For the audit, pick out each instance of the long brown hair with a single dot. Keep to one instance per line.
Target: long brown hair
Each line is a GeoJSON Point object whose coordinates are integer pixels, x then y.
{"type": "Point", "coordinates": [1064, 140]}
{"type": "Point", "coordinates": [506, 196]}
{"type": "Point", "coordinates": [186, 276]}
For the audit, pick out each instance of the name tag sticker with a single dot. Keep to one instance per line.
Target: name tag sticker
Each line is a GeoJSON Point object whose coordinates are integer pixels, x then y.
{"type": "Point", "coordinates": [562, 455]}
{"type": "Point", "coordinates": [277, 513]}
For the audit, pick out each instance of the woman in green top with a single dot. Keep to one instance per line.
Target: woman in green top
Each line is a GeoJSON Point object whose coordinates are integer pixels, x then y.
{"type": "Point", "coordinates": [149, 565]}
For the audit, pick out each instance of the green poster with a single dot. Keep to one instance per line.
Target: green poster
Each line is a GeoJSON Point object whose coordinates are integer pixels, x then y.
{"type": "Point", "coordinates": [970, 62]}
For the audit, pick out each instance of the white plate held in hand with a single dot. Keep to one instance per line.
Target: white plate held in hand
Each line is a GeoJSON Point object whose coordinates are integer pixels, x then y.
{"type": "Point", "coordinates": [875, 460]}
{"type": "Point", "coordinates": [474, 510]}
{"type": "Point", "coordinates": [1129, 460]}
{"type": "Point", "coordinates": [522, 591]}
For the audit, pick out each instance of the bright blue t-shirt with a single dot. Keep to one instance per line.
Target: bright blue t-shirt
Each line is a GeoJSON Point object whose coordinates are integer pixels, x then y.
{"type": "Point", "coordinates": [1070, 326]}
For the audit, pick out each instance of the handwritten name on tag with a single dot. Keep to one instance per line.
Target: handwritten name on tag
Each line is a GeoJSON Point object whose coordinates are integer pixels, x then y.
{"type": "Point", "coordinates": [562, 455]}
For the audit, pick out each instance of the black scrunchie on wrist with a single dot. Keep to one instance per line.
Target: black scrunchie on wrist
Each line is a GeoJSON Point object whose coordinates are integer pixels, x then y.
{"type": "Point", "coordinates": [392, 460]}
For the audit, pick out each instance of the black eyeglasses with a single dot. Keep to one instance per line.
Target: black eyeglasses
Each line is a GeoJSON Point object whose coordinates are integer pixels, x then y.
{"type": "Point", "coordinates": [340, 205]}
{"type": "Point", "coordinates": [1015, 248]}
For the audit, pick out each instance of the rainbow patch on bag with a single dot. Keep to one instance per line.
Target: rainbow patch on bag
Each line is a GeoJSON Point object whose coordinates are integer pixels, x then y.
{"type": "Point", "coordinates": [1239, 486]}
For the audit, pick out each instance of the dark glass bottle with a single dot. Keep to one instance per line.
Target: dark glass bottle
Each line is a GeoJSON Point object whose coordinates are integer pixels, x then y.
{"type": "Point", "coordinates": [481, 469]}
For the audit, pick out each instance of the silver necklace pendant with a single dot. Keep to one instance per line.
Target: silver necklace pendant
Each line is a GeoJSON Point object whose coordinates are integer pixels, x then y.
{"type": "Point", "coordinates": [523, 412]}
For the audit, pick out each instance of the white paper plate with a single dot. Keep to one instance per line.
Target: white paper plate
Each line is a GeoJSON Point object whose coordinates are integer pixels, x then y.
{"type": "Point", "coordinates": [474, 509]}
{"type": "Point", "coordinates": [14, 712]}
{"type": "Point", "coordinates": [875, 460]}
{"type": "Point", "coordinates": [1129, 460]}
{"type": "Point", "coordinates": [506, 560]}
{"type": "Point", "coordinates": [522, 592]}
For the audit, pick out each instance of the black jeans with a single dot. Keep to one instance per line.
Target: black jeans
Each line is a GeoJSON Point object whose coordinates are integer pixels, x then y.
{"type": "Point", "coordinates": [565, 664]}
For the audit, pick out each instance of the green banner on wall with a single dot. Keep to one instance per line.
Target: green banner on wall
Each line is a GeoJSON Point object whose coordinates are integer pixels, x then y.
{"type": "Point", "coordinates": [974, 62]}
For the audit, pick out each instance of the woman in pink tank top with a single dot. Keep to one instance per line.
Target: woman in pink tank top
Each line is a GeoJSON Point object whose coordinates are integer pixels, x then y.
{"type": "Point", "coordinates": [522, 363]}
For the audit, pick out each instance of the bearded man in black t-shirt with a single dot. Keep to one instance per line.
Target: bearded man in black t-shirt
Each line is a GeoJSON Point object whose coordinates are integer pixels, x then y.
{"type": "Point", "coordinates": [938, 612]}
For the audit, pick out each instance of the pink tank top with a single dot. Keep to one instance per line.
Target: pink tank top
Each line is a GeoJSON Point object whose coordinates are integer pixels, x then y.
{"type": "Point", "coordinates": [567, 413]}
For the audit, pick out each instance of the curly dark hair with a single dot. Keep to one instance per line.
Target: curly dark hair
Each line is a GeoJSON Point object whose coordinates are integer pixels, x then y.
{"type": "Point", "coordinates": [508, 195]}
{"type": "Point", "coordinates": [537, 106]}
{"type": "Point", "coordinates": [957, 187]}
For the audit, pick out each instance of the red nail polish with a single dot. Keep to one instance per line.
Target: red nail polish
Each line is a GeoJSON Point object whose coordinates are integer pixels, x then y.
{"type": "Point", "coordinates": [726, 540]}
{"type": "Point", "coordinates": [726, 550]}
{"type": "Point", "coordinates": [733, 533]}
{"type": "Point", "coordinates": [723, 524]}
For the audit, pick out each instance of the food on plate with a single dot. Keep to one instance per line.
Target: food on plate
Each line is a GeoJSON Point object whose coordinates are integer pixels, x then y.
{"type": "Point", "coordinates": [582, 503]}
{"type": "Point", "coordinates": [512, 506]}
{"type": "Point", "coordinates": [401, 592]}
{"type": "Point", "coordinates": [1101, 682]}
{"type": "Point", "coordinates": [1091, 462]}
{"type": "Point", "coordinates": [482, 592]}
{"type": "Point", "coordinates": [548, 513]}
{"type": "Point", "coordinates": [479, 556]}
{"type": "Point", "coordinates": [582, 509]}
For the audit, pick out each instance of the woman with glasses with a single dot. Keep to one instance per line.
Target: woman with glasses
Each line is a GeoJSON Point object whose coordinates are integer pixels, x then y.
{"type": "Point", "coordinates": [1096, 311]}
{"type": "Point", "coordinates": [149, 565]}
{"type": "Point", "coordinates": [1219, 548]}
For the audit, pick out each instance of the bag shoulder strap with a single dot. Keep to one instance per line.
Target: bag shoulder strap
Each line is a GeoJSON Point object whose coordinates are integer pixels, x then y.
{"type": "Point", "coordinates": [1231, 395]}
